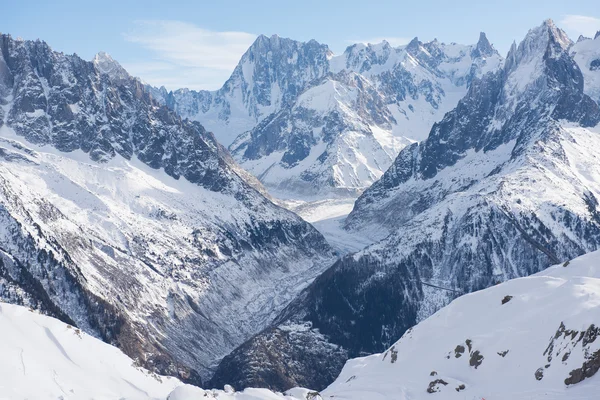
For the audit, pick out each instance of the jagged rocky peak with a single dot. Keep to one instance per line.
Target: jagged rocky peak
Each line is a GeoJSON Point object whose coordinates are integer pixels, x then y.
{"type": "Point", "coordinates": [546, 38]}
{"type": "Point", "coordinates": [361, 57]}
{"type": "Point", "coordinates": [287, 63]}
{"type": "Point", "coordinates": [105, 64]}
{"type": "Point", "coordinates": [581, 38]}
{"type": "Point", "coordinates": [483, 48]}
{"type": "Point", "coordinates": [597, 35]}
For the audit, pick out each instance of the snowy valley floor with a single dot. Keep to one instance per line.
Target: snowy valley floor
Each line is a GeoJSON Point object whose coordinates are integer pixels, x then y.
{"type": "Point", "coordinates": [327, 216]}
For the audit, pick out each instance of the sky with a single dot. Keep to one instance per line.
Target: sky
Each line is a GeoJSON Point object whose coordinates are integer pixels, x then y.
{"type": "Point", "coordinates": [197, 43]}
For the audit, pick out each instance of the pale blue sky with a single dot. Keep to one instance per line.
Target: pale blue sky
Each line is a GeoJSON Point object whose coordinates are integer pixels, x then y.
{"type": "Point", "coordinates": [197, 43]}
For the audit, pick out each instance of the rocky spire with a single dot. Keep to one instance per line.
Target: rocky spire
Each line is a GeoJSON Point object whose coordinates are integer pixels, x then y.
{"type": "Point", "coordinates": [414, 45]}
{"type": "Point", "coordinates": [483, 48]}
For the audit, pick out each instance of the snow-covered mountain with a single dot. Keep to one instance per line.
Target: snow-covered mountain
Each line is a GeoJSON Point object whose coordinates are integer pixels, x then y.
{"type": "Point", "coordinates": [270, 75]}
{"type": "Point", "coordinates": [134, 225]}
{"type": "Point", "coordinates": [586, 52]}
{"type": "Point", "coordinates": [529, 338]}
{"type": "Point", "coordinates": [505, 185]}
{"type": "Point", "coordinates": [308, 123]}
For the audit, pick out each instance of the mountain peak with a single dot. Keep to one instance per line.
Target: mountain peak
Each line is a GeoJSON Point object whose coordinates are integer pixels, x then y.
{"type": "Point", "coordinates": [105, 64]}
{"type": "Point", "coordinates": [483, 48]}
{"type": "Point", "coordinates": [413, 45]}
{"type": "Point", "coordinates": [597, 35]}
{"type": "Point", "coordinates": [546, 40]}
{"type": "Point", "coordinates": [549, 23]}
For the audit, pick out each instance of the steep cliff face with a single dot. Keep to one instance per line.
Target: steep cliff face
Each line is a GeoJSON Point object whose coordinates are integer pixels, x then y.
{"type": "Point", "coordinates": [505, 185]}
{"type": "Point", "coordinates": [131, 223]}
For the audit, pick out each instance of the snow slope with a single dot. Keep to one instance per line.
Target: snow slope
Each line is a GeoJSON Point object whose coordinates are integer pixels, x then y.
{"type": "Point", "coordinates": [524, 339]}
{"type": "Point", "coordinates": [586, 52]}
{"type": "Point", "coordinates": [44, 358]}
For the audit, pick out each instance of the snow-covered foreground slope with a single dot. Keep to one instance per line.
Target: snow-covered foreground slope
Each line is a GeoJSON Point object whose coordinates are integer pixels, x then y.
{"type": "Point", "coordinates": [526, 339]}
{"type": "Point", "coordinates": [44, 358]}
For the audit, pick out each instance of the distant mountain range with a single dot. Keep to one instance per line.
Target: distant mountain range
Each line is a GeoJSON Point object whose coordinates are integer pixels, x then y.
{"type": "Point", "coordinates": [308, 123]}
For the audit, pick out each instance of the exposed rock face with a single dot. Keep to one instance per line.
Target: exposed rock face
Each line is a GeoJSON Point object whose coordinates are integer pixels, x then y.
{"type": "Point", "coordinates": [279, 359]}
{"type": "Point", "coordinates": [497, 191]}
{"type": "Point", "coordinates": [131, 223]}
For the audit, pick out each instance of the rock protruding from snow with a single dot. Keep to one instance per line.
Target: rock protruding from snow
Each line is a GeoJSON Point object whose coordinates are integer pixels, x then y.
{"type": "Point", "coordinates": [483, 48]}
{"type": "Point", "coordinates": [543, 343]}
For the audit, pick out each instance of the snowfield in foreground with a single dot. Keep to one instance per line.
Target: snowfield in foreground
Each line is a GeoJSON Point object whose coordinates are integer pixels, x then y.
{"type": "Point", "coordinates": [44, 358]}
{"type": "Point", "coordinates": [529, 338]}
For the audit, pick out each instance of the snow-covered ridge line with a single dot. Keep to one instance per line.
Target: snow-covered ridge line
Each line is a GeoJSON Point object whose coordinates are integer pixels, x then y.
{"type": "Point", "coordinates": [528, 338]}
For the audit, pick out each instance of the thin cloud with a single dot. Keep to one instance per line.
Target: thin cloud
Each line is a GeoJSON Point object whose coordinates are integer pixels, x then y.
{"type": "Point", "coordinates": [580, 25]}
{"type": "Point", "coordinates": [184, 51]}
{"type": "Point", "coordinates": [393, 41]}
